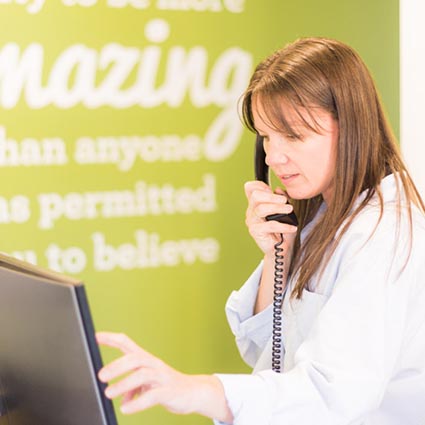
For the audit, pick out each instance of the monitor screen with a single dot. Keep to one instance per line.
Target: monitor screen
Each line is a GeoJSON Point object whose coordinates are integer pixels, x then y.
{"type": "Point", "coordinates": [49, 358]}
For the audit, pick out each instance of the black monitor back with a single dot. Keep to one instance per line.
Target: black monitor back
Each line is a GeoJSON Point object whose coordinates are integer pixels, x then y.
{"type": "Point", "coordinates": [49, 358]}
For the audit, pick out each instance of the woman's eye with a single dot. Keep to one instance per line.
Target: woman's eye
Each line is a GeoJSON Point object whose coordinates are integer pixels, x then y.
{"type": "Point", "coordinates": [294, 137]}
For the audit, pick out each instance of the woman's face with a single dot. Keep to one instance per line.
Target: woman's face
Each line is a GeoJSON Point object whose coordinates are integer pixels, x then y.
{"type": "Point", "coordinates": [305, 165]}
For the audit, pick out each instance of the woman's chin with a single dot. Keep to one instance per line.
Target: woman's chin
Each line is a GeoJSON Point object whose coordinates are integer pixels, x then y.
{"type": "Point", "coordinates": [298, 195]}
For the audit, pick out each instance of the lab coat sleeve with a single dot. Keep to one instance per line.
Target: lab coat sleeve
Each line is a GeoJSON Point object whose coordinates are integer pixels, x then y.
{"type": "Point", "coordinates": [343, 366]}
{"type": "Point", "coordinates": [252, 332]}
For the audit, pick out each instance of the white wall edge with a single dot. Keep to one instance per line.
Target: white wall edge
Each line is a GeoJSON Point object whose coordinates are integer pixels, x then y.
{"type": "Point", "coordinates": [412, 88]}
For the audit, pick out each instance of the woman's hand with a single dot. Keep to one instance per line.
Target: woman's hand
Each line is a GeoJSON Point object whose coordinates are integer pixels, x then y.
{"type": "Point", "coordinates": [261, 203]}
{"type": "Point", "coordinates": [148, 381]}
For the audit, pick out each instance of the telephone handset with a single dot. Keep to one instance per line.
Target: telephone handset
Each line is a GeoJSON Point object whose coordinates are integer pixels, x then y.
{"type": "Point", "coordinates": [262, 173]}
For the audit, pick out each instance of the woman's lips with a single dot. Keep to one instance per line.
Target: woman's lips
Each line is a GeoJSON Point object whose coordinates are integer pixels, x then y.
{"type": "Point", "coordinates": [288, 178]}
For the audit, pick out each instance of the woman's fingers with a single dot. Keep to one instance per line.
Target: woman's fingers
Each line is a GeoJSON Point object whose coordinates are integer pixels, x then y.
{"type": "Point", "coordinates": [144, 401]}
{"type": "Point", "coordinates": [136, 380]}
{"type": "Point", "coordinates": [146, 381]}
{"type": "Point", "coordinates": [130, 395]}
{"type": "Point", "coordinates": [135, 357]}
{"type": "Point", "coordinates": [126, 364]}
{"type": "Point", "coordinates": [253, 185]}
{"type": "Point", "coordinates": [123, 343]}
{"type": "Point", "coordinates": [270, 229]}
{"type": "Point", "coordinates": [259, 193]}
{"type": "Point", "coordinates": [263, 202]}
{"type": "Point", "coordinates": [117, 340]}
{"type": "Point", "coordinates": [265, 209]}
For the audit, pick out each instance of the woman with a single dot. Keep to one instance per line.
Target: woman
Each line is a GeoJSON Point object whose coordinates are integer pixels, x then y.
{"type": "Point", "coordinates": [354, 269]}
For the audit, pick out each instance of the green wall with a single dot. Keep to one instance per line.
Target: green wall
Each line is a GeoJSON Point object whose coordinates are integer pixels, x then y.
{"type": "Point", "coordinates": [157, 235]}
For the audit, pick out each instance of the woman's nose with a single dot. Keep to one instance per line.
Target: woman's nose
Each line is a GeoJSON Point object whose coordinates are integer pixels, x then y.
{"type": "Point", "coordinates": [276, 154]}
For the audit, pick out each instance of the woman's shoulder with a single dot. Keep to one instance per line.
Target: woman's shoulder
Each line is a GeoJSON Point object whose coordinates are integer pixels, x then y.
{"type": "Point", "coordinates": [394, 222]}
{"type": "Point", "coordinates": [388, 206]}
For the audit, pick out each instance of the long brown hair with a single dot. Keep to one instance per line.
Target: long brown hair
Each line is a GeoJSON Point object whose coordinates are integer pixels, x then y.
{"type": "Point", "coordinates": [325, 73]}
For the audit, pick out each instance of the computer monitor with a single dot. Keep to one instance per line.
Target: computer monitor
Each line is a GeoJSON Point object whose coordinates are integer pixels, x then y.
{"type": "Point", "coordinates": [49, 357]}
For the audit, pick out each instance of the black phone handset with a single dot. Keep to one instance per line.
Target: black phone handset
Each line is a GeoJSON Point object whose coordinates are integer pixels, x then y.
{"type": "Point", "coordinates": [262, 173]}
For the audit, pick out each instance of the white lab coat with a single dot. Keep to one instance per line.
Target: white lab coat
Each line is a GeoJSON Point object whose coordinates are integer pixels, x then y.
{"type": "Point", "coordinates": [354, 344]}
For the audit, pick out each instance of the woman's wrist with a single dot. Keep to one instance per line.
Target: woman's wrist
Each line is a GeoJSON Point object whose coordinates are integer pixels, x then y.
{"type": "Point", "coordinates": [210, 399]}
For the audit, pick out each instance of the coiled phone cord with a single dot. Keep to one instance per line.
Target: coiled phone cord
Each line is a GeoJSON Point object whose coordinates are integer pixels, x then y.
{"type": "Point", "coordinates": [278, 293]}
